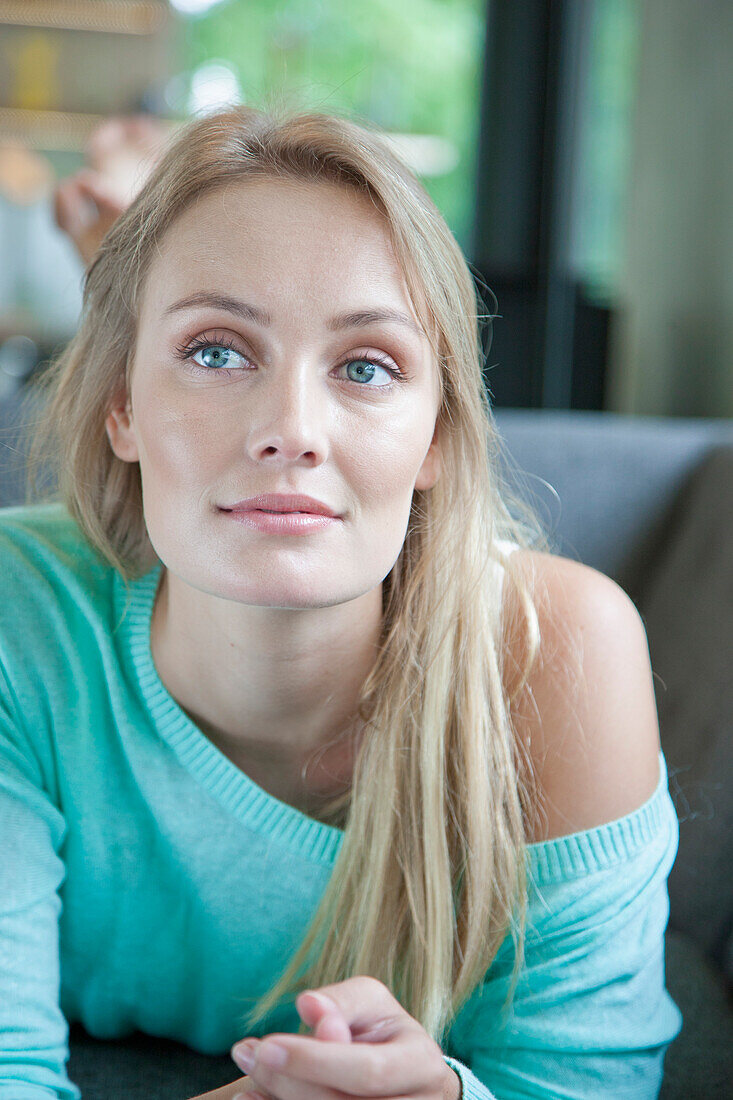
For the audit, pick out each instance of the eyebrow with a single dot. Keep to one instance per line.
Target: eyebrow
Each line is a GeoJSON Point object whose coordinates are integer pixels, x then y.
{"type": "Point", "coordinates": [353, 319]}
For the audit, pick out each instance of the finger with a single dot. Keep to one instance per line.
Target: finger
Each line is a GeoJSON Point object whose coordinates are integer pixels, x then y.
{"type": "Point", "coordinates": [332, 1028]}
{"type": "Point", "coordinates": [246, 1089]}
{"type": "Point", "coordinates": [80, 199]}
{"type": "Point", "coordinates": [275, 1086]}
{"type": "Point", "coordinates": [65, 210]}
{"type": "Point", "coordinates": [85, 227]}
{"type": "Point", "coordinates": [95, 187]}
{"type": "Point", "coordinates": [366, 1004]}
{"type": "Point", "coordinates": [147, 130]}
{"type": "Point", "coordinates": [72, 212]}
{"type": "Point", "coordinates": [399, 1067]}
{"type": "Point", "coordinates": [86, 213]}
{"type": "Point", "coordinates": [324, 1017]}
{"type": "Point", "coordinates": [329, 1025]}
{"type": "Point", "coordinates": [105, 137]}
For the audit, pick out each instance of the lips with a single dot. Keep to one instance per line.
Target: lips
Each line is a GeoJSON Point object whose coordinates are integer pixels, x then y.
{"type": "Point", "coordinates": [282, 502]}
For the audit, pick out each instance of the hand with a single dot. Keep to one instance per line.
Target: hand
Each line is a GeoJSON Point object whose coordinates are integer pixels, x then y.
{"type": "Point", "coordinates": [364, 1045]}
{"type": "Point", "coordinates": [120, 155]}
{"type": "Point", "coordinates": [86, 208]}
{"type": "Point", "coordinates": [242, 1086]}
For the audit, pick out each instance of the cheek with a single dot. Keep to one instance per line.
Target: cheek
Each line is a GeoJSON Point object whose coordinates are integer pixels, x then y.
{"type": "Point", "coordinates": [381, 469]}
{"type": "Point", "coordinates": [177, 448]}
{"type": "Point", "coordinates": [390, 457]}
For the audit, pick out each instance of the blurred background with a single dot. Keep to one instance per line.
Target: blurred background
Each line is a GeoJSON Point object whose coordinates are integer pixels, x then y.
{"type": "Point", "coordinates": [580, 150]}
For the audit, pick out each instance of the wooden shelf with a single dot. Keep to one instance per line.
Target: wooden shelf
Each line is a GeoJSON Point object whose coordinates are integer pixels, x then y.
{"type": "Point", "coordinates": [50, 130]}
{"type": "Point", "coordinates": [55, 131]}
{"type": "Point", "coordinates": [108, 17]}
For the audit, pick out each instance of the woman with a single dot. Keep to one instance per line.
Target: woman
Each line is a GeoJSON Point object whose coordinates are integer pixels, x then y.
{"type": "Point", "coordinates": [394, 755]}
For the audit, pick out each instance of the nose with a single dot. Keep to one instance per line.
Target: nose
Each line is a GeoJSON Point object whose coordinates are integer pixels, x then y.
{"type": "Point", "coordinates": [287, 418]}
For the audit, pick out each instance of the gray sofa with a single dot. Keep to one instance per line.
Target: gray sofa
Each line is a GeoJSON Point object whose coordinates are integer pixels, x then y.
{"type": "Point", "coordinates": [649, 502]}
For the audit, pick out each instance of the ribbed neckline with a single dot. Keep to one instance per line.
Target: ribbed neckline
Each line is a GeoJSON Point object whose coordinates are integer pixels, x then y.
{"type": "Point", "coordinates": [549, 860]}
{"type": "Point", "coordinates": [235, 791]}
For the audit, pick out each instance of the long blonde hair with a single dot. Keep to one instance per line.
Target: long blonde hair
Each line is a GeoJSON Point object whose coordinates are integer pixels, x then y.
{"type": "Point", "coordinates": [431, 875]}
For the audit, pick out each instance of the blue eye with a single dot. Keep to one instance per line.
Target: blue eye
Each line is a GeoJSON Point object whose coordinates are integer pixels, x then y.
{"type": "Point", "coordinates": [365, 368]}
{"type": "Point", "coordinates": [219, 355]}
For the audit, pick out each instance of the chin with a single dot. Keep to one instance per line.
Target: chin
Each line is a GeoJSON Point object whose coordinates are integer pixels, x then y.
{"type": "Point", "coordinates": [292, 595]}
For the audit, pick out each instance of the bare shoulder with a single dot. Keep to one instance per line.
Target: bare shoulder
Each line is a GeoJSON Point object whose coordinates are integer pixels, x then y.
{"type": "Point", "coordinates": [587, 714]}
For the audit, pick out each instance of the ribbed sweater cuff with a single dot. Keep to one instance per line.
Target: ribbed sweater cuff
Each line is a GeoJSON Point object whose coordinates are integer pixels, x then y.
{"type": "Point", "coordinates": [471, 1087]}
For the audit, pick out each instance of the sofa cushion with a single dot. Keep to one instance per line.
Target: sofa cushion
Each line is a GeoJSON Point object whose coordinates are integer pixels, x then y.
{"type": "Point", "coordinates": [142, 1067]}
{"type": "Point", "coordinates": [699, 1063]}
{"type": "Point", "coordinates": [686, 602]}
{"type": "Point", "coordinates": [603, 483]}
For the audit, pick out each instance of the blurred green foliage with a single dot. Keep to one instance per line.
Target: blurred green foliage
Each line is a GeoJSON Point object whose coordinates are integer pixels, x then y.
{"type": "Point", "coordinates": [411, 68]}
{"type": "Point", "coordinates": [605, 148]}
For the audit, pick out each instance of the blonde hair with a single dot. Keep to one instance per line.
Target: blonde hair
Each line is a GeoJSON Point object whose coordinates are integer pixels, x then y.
{"type": "Point", "coordinates": [431, 874]}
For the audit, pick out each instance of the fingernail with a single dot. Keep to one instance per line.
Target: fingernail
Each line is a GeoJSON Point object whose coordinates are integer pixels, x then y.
{"type": "Point", "coordinates": [323, 1000]}
{"type": "Point", "coordinates": [272, 1054]}
{"type": "Point", "coordinates": [243, 1055]}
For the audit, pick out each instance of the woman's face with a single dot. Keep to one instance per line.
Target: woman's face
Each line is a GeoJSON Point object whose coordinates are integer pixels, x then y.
{"type": "Point", "coordinates": [223, 407]}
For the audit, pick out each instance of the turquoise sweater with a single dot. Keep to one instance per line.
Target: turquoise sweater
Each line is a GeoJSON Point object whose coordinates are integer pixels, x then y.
{"type": "Point", "coordinates": [147, 883]}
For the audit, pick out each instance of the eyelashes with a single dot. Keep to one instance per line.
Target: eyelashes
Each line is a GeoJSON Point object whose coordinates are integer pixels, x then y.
{"type": "Point", "coordinates": [187, 350]}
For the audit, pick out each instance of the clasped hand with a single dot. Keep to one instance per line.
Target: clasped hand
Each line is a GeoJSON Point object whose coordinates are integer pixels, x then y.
{"type": "Point", "coordinates": [364, 1044]}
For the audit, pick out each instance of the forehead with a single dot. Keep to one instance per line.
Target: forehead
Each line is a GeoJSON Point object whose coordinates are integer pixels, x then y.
{"type": "Point", "coordinates": [274, 217]}
{"type": "Point", "coordinates": [271, 235]}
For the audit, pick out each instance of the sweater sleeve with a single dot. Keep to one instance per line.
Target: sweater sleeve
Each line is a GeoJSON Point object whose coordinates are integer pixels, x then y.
{"type": "Point", "coordinates": [33, 1032]}
{"type": "Point", "coordinates": [591, 1015]}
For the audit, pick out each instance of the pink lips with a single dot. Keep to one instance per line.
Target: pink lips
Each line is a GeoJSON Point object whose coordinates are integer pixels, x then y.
{"type": "Point", "coordinates": [282, 502]}
{"type": "Point", "coordinates": [282, 523]}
